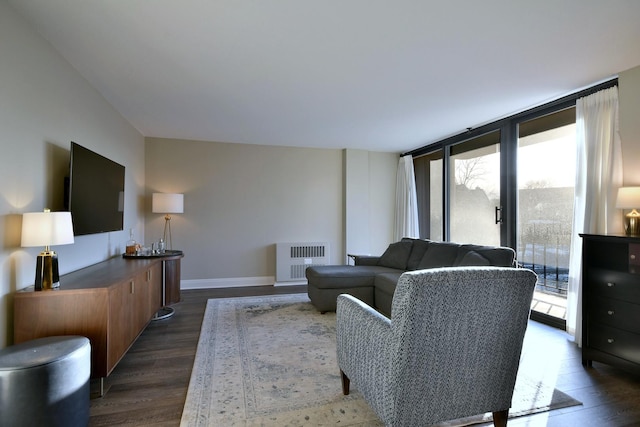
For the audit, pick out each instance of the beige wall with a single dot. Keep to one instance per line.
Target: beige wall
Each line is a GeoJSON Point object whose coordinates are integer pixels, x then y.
{"type": "Point", "coordinates": [629, 97]}
{"type": "Point", "coordinates": [44, 105]}
{"type": "Point", "coordinates": [241, 199]}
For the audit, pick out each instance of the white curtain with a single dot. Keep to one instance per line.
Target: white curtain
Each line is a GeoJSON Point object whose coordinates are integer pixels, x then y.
{"type": "Point", "coordinates": [406, 218]}
{"type": "Point", "coordinates": [598, 177]}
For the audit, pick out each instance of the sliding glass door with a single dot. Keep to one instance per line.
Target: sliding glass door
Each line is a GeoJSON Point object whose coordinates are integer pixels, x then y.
{"type": "Point", "coordinates": [469, 174]}
{"type": "Point", "coordinates": [474, 190]}
{"type": "Point", "coordinates": [546, 177]}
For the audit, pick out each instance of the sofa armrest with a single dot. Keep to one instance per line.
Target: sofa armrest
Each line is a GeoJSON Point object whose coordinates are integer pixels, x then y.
{"type": "Point", "coordinates": [365, 259]}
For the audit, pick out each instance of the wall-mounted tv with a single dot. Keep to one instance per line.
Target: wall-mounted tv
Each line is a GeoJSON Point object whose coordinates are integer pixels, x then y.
{"type": "Point", "coordinates": [96, 192]}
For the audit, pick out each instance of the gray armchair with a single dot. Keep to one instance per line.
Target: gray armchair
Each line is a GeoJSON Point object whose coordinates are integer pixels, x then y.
{"type": "Point", "coordinates": [451, 348]}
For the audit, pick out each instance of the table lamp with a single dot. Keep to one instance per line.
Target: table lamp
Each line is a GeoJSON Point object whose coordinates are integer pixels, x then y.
{"type": "Point", "coordinates": [46, 229]}
{"type": "Point", "coordinates": [629, 198]}
{"type": "Point", "coordinates": [167, 203]}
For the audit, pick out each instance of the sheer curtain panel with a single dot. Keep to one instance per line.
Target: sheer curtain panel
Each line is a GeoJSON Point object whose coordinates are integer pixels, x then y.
{"type": "Point", "coordinates": [598, 177]}
{"type": "Point", "coordinates": [406, 217]}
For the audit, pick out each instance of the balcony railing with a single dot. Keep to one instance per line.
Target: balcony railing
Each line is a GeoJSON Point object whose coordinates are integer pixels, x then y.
{"type": "Point", "coordinates": [545, 250]}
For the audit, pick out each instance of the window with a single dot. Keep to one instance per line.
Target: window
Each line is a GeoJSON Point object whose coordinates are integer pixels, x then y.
{"type": "Point", "coordinates": [474, 189]}
{"type": "Point", "coordinates": [546, 177]}
{"type": "Point", "coordinates": [428, 170]}
{"type": "Point", "coordinates": [509, 183]}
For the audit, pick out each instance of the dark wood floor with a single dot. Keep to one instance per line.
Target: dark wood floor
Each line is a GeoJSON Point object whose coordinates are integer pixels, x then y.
{"type": "Point", "coordinates": [149, 385]}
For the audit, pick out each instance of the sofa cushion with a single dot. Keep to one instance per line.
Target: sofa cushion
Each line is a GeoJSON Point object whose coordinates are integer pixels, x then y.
{"type": "Point", "coordinates": [396, 255]}
{"type": "Point", "coordinates": [473, 258]}
{"type": "Point", "coordinates": [386, 282]}
{"type": "Point", "coordinates": [498, 256]}
{"type": "Point", "coordinates": [417, 252]}
{"type": "Point", "coordinates": [488, 255]}
{"type": "Point", "coordinates": [440, 254]}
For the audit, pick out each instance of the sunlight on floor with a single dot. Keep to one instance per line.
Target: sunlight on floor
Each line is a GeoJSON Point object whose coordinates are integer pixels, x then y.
{"type": "Point", "coordinates": [547, 303]}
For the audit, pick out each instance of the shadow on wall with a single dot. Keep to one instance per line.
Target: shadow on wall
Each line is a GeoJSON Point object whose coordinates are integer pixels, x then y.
{"type": "Point", "coordinates": [11, 244]}
{"type": "Point", "coordinates": [57, 160]}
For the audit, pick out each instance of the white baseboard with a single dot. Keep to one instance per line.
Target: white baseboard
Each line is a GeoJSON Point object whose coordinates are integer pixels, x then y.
{"type": "Point", "coordinates": [230, 282]}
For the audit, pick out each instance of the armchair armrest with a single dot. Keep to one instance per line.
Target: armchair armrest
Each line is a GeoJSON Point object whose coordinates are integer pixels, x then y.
{"type": "Point", "coordinates": [364, 340]}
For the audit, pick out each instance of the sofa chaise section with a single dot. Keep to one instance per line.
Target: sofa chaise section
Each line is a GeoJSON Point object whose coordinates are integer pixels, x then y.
{"type": "Point", "coordinates": [329, 281]}
{"type": "Point", "coordinates": [373, 279]}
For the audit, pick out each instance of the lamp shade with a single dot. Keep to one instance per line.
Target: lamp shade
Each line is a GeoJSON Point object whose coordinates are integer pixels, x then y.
{"type": "Point", "coordinates": [628, 198]}
{"type": "Point", "coordinates": [167, 203]}
{"type": "Point", "coordinates": [46, 229]}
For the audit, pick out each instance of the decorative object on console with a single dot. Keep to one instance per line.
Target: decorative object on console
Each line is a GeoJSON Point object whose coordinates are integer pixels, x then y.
{"type": "Point", "coordinates": [132, 247]}
{"type": "Point", "coordinates": [167, 203]}
{"type": "Point", "coordinates": [629, 198]}
{"type": "Point", "coordinates": [46, 229]}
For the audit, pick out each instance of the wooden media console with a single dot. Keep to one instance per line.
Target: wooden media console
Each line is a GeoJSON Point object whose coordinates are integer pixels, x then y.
{"type": "Point", "coordinates": [110, 303]}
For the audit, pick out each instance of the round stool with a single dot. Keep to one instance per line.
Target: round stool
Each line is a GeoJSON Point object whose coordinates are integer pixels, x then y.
{"type": "Point", "coordinates": [45, 382]}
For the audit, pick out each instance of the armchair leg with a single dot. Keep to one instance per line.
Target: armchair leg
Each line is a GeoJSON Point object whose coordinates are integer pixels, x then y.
{"type": "Point", "coordinates": [345, 383]}
{"type": "Point", "coordinates": [500, 418]}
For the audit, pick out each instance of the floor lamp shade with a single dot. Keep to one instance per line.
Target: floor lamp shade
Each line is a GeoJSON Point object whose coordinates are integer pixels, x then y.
{"type": "Point", "coordinates": [46, 229]}
{"type": "Point", "coordinates": [167, 203]}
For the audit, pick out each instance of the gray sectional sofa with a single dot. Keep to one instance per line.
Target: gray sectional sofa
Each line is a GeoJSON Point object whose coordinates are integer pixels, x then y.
{"type": "Point", "coordinates": [373, 279]}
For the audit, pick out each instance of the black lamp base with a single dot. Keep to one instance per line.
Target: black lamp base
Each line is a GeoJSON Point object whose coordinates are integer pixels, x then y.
{"type": "Point", "coordinates": [47, 276]}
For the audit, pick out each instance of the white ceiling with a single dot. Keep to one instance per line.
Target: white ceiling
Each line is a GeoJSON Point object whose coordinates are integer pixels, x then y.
{"type": "Point", "coordinates": [382, 75]}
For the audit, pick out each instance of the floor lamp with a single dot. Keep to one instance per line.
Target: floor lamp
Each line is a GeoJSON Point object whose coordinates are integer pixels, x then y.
{"type": "Point", "coordinates": [166, 203]}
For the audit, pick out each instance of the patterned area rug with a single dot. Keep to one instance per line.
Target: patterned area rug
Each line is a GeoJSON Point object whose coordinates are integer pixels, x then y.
{"type": "Point", "coordinates": [270, 361]}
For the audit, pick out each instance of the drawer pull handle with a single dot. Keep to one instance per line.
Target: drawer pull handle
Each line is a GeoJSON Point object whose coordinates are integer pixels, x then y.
{"type": "Point", "coordinates": [610, 312]}
{"type": "Point", "coordinates": [633, 257]}
{"type": "Point", "coordinates": [610, 284]}
{"type": "Point", "coordinates": [610, 340]}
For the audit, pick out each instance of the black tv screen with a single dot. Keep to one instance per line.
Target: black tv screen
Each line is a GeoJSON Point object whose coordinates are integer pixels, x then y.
{"type": "Point", "coordinates": [96, 192]}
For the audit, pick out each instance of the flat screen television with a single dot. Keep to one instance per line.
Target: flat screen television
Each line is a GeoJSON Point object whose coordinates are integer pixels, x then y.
{"type": "Point", "coordinates": [95, 192]}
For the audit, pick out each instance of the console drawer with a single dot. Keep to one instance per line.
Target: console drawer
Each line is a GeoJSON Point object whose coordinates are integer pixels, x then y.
{"type": "Point", "coordinates": [613, 284]}
{"type": "Point", "coordinates": [614, 341]}
{"type": "Point", "coordinates": [615, 313]}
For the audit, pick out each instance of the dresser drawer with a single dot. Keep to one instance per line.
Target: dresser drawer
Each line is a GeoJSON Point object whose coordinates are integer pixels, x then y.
{"type": "Point", "coordinates": [617, 342]}
{"type": "Point", "coordinates": [634, 256]}
{"type": "Point", "coordinates": [615, 313]}
{"type": "Point", "coordinates": [613, 284]}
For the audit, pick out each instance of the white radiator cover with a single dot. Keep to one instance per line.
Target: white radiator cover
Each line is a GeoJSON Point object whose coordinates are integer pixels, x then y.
{"type": "Point", "coordinates": [292, 259]}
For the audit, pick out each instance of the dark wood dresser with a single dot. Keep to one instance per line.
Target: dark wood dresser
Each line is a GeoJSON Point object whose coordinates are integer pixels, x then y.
{"type": "Point", "coordinates": [611, 300]}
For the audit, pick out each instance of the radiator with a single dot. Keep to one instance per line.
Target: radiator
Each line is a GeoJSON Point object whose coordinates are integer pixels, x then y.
{"type": "Point", "coordinates": [292, 259]}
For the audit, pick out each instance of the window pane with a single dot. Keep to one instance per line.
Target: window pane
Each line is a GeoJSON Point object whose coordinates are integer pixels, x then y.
{"type": "Point", "coordinates": [428, 172]}
{"type": "Point", "coordinates": [435, 200]}
{"type": "Point", "coordinates": [475, 190]}
{"type": "Point", "coordinates": [546, 176]}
